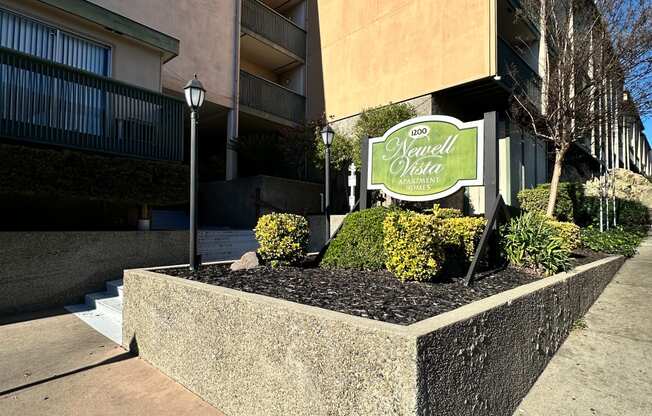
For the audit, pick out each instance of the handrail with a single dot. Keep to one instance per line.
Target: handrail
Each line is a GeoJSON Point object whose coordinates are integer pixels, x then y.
{"type": "Point", "coordinates": [51, 103]}
{"type": "Point", "coordinates": [267, 22]}
{"type": "Point", "coordinates": [269, 97]}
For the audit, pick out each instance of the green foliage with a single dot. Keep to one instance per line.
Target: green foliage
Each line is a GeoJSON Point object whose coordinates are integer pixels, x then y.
{"type": "Point", "coordinates": [568, 232]}
{"type": "Point", "coordinates": [72, 174]}
{"type": "Point", "coordinates": [359, 244]}
{"type": "Point", "coordinates": [529, 241]}
{"type": "Point", "coordinates": [444, 213]}
{"type": "Point", "coordinates": [412, 245]}
{"type": "Point", "coordinates": [631, 213]}
{"type": "Point", "coordinates": [282, 238]}
{"type": "Point", "coordinates": [460, 236]}
{"type": "Point", "coordinates": [536, 200]}
{"type": "Point", "coordinates": [373, 122]}
{"type": "Point", "coordinates": [619, 240]}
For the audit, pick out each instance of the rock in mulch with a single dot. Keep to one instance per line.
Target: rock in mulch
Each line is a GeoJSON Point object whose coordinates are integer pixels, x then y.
{"type": "Point", "coordinates": [248, 261]}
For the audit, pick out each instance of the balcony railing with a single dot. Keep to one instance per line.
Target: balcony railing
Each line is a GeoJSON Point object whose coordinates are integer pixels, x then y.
{"type": "Point", "coordinates": [49, 103]}
{"type": "Point", "coordinates": [262, 95]}
{"type": "Point", "coordinates": [273, 26]}
{"type": "Point", "coordinates": [517, 74]}
{"type": "Point", "coordinates": [531, 9]}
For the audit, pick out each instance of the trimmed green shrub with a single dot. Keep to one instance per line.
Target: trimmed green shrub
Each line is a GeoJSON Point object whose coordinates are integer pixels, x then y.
{"type": "Point", "coordinates": [613, 241]}
{"type": "Point", "coordinates": [282, 238]}
{"type": "Point", "coordinates": [568, 232]}
{"type": "Point", "coordinates": [536, 199]}
{"type": "Point", "coordinates": [461, 235]}
{"type": "Point", "coordinates": [530, 242]}
{"type": "Point", "coordinates": [412, 245]}
{"type": "Point", "coordinates": [443, 213]}
{"type": "Point", "coordinates": [359, 244]}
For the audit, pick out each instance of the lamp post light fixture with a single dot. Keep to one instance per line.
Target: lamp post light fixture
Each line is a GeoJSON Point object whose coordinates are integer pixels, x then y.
{"type": "Point", "coordinates": [194, 93]}
{"type": "Point", "coordinates": [327, 135]}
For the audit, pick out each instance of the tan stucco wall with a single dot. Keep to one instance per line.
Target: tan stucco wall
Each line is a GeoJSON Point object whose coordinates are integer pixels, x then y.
{"type": "Point", "coordinates": [131, 62]}
{"type": "Point", "coordinates": [375, 52]}
{"type": "Point", "coordinates": [205, 29]}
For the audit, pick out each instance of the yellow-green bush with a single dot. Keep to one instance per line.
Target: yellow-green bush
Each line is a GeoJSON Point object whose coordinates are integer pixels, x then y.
{"type": "Point", "coordinates": [462, 234]}
{"type": "Point", "coordinates": [444, 213]}
{"type": "Point", "coordinates": [282, 238]}
{"type": "Point", "coordinates": [568, 232]}
{"type": "Point", "coordinates": [412, 245]}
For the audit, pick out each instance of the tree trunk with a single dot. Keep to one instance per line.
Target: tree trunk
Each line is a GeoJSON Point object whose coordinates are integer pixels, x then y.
{"type": "Point", "coordinates": [554, 182]}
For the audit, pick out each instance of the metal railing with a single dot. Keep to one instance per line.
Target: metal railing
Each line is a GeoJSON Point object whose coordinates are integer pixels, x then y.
{"type": "Point", "coordinates": [262, 20]}
{"type": "Point", "coordinates": [45, 102]}
{"type": "Point", "coordinates": [263, 95]}
{"type": "Point", "coordinates": [516, 73]}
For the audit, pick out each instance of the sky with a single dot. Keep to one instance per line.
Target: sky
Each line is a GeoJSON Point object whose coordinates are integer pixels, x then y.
{"type": "Point", "coordinates": [647, 123]}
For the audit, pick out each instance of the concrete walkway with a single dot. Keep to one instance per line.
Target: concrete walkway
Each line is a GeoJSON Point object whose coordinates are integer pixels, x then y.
{"type": "Point", "coordinates": [58, 365]}
{"type": "Point", "coordinates": [605, 368]}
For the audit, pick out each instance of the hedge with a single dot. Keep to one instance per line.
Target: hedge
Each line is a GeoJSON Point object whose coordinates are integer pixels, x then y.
{"type": "Point", "coordinates": [536, 200]}
{"type": "Point", "coordinates": [282, 238]}
{"type": "Point", "coordinates": [63, 173]}
{"type": "Point", "coordinates": [359, 243]}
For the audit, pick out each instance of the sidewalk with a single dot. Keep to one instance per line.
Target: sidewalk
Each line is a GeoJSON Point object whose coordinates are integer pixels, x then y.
{"type": "Point", "coordinates": [58, 365]}
{"type": "Point", "coordinates": [606, 368]}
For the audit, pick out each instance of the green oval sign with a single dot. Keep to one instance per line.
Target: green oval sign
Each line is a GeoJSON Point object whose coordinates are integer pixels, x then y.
{"type": "Point", "coordinates": [426, 158]}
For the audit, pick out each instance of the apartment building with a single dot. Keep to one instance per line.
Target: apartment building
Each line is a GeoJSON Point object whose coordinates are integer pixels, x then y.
{"type": "Point", "coordinates": [75, 76]}
{"type": "Point", "coordinates": [270, 68]}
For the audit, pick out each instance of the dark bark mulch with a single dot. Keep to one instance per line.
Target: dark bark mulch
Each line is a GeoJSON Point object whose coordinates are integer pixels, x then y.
{"type": "Point", "coordinates": [375, 295]}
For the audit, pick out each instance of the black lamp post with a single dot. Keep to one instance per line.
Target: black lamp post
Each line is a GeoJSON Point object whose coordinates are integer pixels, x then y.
{"type": "Point", "coordinates": [327, 135]}
{"type": "Point", "coordinates": [194, 93]}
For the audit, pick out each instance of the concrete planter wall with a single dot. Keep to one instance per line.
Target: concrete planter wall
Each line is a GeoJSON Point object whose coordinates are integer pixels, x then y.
{"type": "Point", "coordinates": [40, 270]}
{"type": "Point", "coordinates": [253, 355]}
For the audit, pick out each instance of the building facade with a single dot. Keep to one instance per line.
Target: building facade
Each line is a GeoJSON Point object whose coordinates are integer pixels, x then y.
{"type": "Point", "coordinates": [275, 68]}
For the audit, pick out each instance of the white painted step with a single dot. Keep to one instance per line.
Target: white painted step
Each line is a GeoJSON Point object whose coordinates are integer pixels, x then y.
{"type": "Point", "coordinates": [102, 311]}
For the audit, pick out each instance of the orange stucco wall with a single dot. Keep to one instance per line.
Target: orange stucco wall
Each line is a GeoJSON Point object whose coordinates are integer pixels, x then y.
{"type": "Point", "coordinates": [373, 52]}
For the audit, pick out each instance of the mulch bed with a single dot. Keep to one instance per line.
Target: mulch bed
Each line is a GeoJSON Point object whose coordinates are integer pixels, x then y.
{"type": "Point", "coordinates": [375, 295]}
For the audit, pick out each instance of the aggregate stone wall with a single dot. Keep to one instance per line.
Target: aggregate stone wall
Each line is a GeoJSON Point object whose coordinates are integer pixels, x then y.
{"type": "Point", "coordinates": [40, 270]}
{"type": "Point", "coordinates": [253, 355]}
{"type": "Point", "coordinates": [486, 362]}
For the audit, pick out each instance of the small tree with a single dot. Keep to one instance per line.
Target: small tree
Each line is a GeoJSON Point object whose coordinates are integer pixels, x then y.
{"type": "Point", "coordinates": [373, 122]}
{"type": "Point", "coordinates": [593, 52]}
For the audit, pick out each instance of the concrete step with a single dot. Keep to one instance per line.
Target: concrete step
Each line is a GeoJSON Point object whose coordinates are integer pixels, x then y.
{"type": "Point", "coordinates": [115, 287]}
{"type": "Point", "coordinates": [102, 311]}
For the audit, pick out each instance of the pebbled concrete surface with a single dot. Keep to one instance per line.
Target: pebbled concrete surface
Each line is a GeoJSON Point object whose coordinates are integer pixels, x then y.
{"type": "Point", "coordinates": [606, 368]}
{"type": "Point", "coordinates": [57, 365]}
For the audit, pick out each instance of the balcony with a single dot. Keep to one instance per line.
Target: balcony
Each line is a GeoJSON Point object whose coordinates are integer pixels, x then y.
{"type": "Point", "coordinates": [264, 97]}
{"type": "Point", "coordinates": [49, 103]}
{"type": "Point", "coordinates": [517, 74]}
{"type": "Point", "coordinates": [261, 21]}
{"type": "Point", "coordinates": [531, 10]}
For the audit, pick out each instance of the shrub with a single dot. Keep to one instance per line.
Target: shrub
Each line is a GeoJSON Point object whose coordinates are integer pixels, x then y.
{"type": "Point", "coordinates": [568, 232]}
{"type": "Point", "coordinates": [359, 244]}
{"type": "Point", "coordinates": [412, 245]}
{"type": "Point", "coordinates": [529, 241]}
{"type": "Point", "coordinates": [631, 213]}
{"type": "Point", "coordinates": [614, 241]}
{"type": "Point", "coordinates": [443, 213]}
{"type": "Point", "coordinates": [460, 237]}
{"type": "Point", "coordinates": [283, 238]}
{"type": "Point", "coordinates": [536, 200]}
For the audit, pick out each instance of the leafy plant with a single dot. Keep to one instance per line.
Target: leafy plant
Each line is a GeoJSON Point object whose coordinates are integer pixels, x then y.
{"type": "Point", "coordinates": [412, 245]}
{"type": "Point", "coordinates": [536, 200]}
{"type": "Point", "coordinates": [359, 244]}
{"type": "Point", "coordinates": [529, 241]}
{"type": "Point", "coordinates": [443, 213]}
{"type": "Point", "coordinates": [282, 238]}
{"type": "Point", "coordinates": [568, 232]}
{"type": "Point", "coordinates": [619, 240]}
